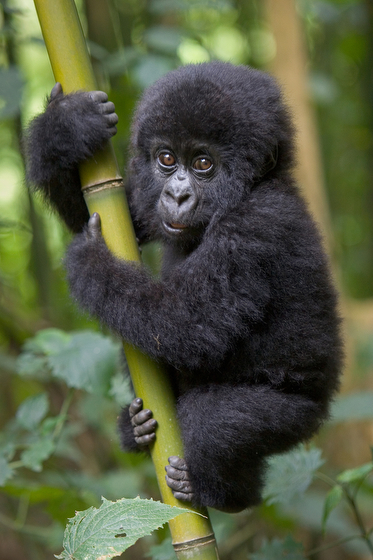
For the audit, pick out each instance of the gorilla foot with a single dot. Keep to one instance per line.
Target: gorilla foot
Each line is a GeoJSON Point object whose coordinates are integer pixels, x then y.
{"type": "Point", "coordinates": [143, 423]}
{"type": "Point", "coordinates": [178, 480]}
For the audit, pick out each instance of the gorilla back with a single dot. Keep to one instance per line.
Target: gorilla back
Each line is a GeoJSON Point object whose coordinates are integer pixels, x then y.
{"type": "Point", "coordinates": [244, 314]}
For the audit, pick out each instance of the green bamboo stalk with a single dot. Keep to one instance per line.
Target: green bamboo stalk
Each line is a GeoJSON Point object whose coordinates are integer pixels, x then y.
{"type": "Point", "coordinates": [103, 190]}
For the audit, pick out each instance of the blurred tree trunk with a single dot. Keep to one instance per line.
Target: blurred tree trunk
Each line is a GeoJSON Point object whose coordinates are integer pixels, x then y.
{"type": "Point", "coordinates": [103, 30]}
{"type": "Point", "coordinates": [368, 93]}
{"type": "Point", "coordinates": [290, 68]}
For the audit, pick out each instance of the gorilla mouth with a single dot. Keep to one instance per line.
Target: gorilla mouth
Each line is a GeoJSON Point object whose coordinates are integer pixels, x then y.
{"type": "Point", "coordinates": [174, 227]}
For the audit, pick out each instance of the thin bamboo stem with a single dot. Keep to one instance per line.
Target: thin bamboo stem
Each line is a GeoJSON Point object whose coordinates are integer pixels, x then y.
{"type": "Point", "coordinates": [104, 193]}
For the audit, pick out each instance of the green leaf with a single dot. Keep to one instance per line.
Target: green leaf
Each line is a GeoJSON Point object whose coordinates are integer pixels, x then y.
{"type": "Point", "coordinates": [6, 472]}
{"type": "Point", "coordinates": [279, 549]}
{"type": "Point", "coordinates": [38, 452]}
{"type": "Point", "coordinates": [87, 361]}
{"type": "Point", "coordinates": [121, 389]}
{"type": "Point", "coordinates": [356, 406]}
{"type": "Point", "coordinates": [48, 341]}
{"type": "Point", "coordinates": [333, 498]}
{"type": "Point", "coordinates": [108, 531]}
{"type": "Point", "coordinates": [84, 360]}
{"type": "Point", "coordinates": [30, 365]}
{"type": "Point", "coordinates": [291, 474]}
{"type": "Point", "coordinates": [355, 475]}
{"type": "Point", "coordinates": [32, 411]}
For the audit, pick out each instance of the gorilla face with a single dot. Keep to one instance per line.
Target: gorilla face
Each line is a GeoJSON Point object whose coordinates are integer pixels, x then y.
{"type": "Point", "coordinates": [201, 138]}
{"type": "Point", "coordinates": [184, 174]}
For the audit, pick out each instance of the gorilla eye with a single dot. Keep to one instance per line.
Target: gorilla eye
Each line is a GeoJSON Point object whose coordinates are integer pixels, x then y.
{"type": "Point", "coordinates": [202, 164]}
{"type": "Point", "coordinates": [166, 159]}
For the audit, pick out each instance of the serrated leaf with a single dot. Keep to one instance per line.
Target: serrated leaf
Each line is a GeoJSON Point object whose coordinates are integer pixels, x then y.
{"type": "Point", "coordinates": [121, 389]}
{"type": "Point", "coordinates": [30, 365]}
{"type": "Point", "coordinates": [47, 341]}
{"type": "Point", "coordinates": [108, 531]}
{"type": "Point", "coordinates": [31, 412]}
{"type": "Point", "coordinates": [84, 360]}
{"type": "Point", "coordinates": [333, 498]}
{"type": "Point", "coordinates": [87, 361]}
{"type": "Point", "coordinates": [355, 475]}
{"type": "Point", "coordinates": [5, 471]}
{"type": "Point", "coordinates": [276, 549]}
{"type": "Point", "coordinates": [291, 474]}
{"type": "Point", "coordinates": [38, 452]}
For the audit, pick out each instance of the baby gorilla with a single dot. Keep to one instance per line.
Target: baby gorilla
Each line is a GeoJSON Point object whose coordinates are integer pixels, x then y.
{"type": "Point", "coordinates": [243, 316]}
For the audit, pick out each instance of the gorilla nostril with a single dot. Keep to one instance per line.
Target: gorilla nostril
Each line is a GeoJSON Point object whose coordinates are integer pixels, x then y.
{"type": "Point", "coordinates": [182, 198]}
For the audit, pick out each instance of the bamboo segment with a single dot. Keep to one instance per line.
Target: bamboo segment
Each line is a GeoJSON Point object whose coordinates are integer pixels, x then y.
{"type": "Point", "coordinates": [104, 193]}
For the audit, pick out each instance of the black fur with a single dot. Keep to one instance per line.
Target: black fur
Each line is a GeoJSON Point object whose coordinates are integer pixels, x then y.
{"type": "Point", "coordinates": [244, 315]}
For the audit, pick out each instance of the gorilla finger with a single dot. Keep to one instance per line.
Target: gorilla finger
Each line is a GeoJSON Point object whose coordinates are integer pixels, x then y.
{"type": "Point", "coordinates": [111, 119]}
{"type": "Point", "coordinates": [177, 474]}
{"type": "Point", "coordinates": [94, 226]}
{"type": "Point", "coordinates": [179, 485]}
{"type": "Point", "coordinates": [112, 130]}
{"type": "Point", "coordinates": [141, 417]}
{"type": "Point", "coordinates": [145, 440]}
{"type": "Point", "coordinates": [148, 427]}
{"type": "Point", "coordinates": [135, 407]}
{"type": "Point", "coordinates": [56, 90]}
{"type": "Point", "coordinates": [98, 96]}
{"type": "Point", "coordinates": [184, 497]}
{"type": "Point", "coordinates": [178, 462]}
{"type": "Point", "coordinates": [107, 108]}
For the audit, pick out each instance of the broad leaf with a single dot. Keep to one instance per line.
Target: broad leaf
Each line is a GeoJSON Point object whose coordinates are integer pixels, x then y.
{"type": "Point", "coordinates": [47, 341]}
{"type": "Point", "coordinates": [291, 474]}
{"type": "Point", "coordinates": [32, 365]}
{"type": "Point", "coordinates": [333, 498]}
{"type": "Point", "coordinates": [38, 452]}
{"type": "Point", "coordinates": [108, 531]}
{"type": "Point", "coordinates": [87, 361]}
{"type": "Point", "coordinates": [84, 360]}
{"type": "Point", "coordinates": [32, 411]}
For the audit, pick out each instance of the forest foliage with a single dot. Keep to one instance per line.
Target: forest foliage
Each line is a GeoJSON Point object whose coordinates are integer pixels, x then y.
{"type": "Point", "coordinates": [62, 379]}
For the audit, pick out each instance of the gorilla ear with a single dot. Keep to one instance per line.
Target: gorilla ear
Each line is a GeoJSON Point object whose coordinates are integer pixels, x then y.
{"type": "Point", "coordinates": [269, 164]}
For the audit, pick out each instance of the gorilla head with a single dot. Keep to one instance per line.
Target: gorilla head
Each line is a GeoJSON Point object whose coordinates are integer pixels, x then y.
{"type": "Point", "coordinates": [202, 137]}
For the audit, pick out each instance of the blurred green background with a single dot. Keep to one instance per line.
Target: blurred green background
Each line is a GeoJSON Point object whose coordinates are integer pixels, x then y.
{"type": "Point", "coordinates": [322, 52]}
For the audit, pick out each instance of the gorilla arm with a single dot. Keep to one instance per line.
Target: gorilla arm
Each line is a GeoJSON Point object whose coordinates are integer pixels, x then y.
{"type": "Point", "coordinates": [70, 131]}
{"type": "Point", "coordinates": [190, 321]}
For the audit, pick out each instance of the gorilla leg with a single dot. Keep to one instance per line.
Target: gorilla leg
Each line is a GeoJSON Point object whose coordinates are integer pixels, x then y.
{"type": "Point", "coordinates": [229, 430]}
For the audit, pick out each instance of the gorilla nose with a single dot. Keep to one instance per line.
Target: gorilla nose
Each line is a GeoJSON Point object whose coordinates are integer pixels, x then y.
{"type": "Point", "coordinates": [181, 194]}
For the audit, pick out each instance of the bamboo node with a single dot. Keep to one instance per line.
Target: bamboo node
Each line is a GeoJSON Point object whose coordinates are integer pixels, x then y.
{"type": "Point", "coordinates": [194, 543]}
{"type": "Point", "coordinates": [116, 183]}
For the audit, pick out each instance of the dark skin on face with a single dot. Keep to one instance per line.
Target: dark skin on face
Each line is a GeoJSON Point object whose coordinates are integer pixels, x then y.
{"type": "Point", "coordinates": [144, 425]}
{"type": "Point", "coordinates": [183, 178]}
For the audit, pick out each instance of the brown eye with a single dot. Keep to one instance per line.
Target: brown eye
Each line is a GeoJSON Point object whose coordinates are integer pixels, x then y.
{"type": "Point", "coordinates": [202, 164]}
{"type": "Point", "coordinates": [166, 159]}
